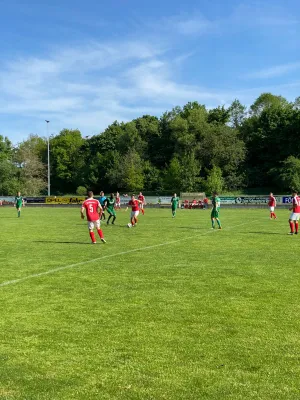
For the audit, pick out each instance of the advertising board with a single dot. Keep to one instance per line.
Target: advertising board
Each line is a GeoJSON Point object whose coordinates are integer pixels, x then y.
{"type": "Point", "coordinates": [65, 200]}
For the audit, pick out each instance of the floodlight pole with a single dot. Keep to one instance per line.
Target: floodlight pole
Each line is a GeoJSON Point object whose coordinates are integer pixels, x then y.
{"type": "Point", "coordinates": [47, 122]}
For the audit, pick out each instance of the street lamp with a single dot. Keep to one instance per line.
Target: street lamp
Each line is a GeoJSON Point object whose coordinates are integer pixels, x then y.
{"type": "Point", "coordinates": [47, 124]}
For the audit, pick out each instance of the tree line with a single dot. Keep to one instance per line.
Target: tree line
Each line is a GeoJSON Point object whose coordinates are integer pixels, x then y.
{"type": "Point", "coordinates": [189, 148]}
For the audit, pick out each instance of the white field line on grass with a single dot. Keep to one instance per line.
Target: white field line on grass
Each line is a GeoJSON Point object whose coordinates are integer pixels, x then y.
{"type": "Point", "coordinates": [122, 253]}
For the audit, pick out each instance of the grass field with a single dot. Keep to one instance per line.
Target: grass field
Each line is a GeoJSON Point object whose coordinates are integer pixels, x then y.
{"type": "Point", "coordinates": [167, 310]}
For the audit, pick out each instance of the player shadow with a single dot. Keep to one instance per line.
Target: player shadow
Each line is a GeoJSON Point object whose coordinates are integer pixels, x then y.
{"type": "Point", "coordinates": [262, 233]}
{"type": "Point", "coordinates": [192, 228]}
{"type": "Point", "coordinates": [60, 242]}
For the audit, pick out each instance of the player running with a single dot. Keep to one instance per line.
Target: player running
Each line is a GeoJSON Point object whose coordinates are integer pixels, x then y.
{"type": "Point", "coordinates": [294, 217]}
{"type": "Point", "coordinates": [19, 203]}
{"type": "Point", "coordinates": [134, 203]}
{"type": "Point", "coordinates": [142, 200]}
{"type": "Point", "coordinates": [216, 203]}
{"type": "Point", "coordinates": [118, 201]}
{"type": "Point", "coordinates": [102, 203]}
{"type": "Point", "coordinates": [174, 204]}
{"type": "Point", "coordinates": [110, 207]}
{"type": "Point", "coordinates": [272, 205]}
{"type": "Point", "coordinates": [93, 209]}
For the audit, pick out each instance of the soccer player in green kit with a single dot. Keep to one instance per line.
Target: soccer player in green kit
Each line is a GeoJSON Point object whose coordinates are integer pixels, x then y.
{"type": "Point", "coordinates": [216, 202]}
{"type": "Point", "coordinates": [110, 207]}
{"type": "Point", "coordinates": [19, 202]}
{"type": "Point", "coordinates": [174, 204]}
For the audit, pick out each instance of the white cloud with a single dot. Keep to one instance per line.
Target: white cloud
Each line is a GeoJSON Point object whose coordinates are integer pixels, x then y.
{"type": "Point", "coordinates": [89, 87]}
{"type": "Point", "coordinates": [275, 71]}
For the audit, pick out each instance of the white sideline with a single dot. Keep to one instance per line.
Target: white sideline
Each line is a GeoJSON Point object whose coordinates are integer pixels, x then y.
{"type": "Point", "coordinates": [52, 271]}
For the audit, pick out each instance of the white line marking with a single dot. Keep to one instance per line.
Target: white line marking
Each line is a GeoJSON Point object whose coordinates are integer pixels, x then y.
{"type": "Point", "coordinates": [58, 269]}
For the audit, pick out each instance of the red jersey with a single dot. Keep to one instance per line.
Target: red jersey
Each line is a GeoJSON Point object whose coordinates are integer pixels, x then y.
{"type": "Point", "coordinates": [91, 206]}
{"type": "Point", "coordinates": [141, 198]}
{"type": "Point", "coordinates": [134, 204]}
{"type": "Point", "coordinates": [296, 204]}
{"type": "Point", "coordinates": [272, 201]}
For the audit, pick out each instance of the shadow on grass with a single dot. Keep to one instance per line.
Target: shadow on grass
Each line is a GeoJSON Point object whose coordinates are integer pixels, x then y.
{"type": "Point", "coordinates": [60, 242]}
{"type": "Point", "coordinates": [262, 233]}
{"type": "Point", "coordinates": [193, 228]}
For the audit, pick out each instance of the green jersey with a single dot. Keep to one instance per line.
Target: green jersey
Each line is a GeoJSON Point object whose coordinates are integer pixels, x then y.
{"type": "Point", "coordinates": [19, 201]}
{"type": "Point", "coordinates": [216, 203]}
{"type": "Point", "coordinates": [174, 202]}
{"type": "Point", "coordinates": [110, 203]}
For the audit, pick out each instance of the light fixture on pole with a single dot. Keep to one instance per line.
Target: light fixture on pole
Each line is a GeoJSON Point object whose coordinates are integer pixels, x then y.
{"type": "Point", "coordinates": [47, 122]}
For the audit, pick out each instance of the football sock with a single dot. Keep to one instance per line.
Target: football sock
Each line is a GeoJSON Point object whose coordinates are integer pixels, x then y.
{"type": "Point", "coordinates": [219, 223]}
{"type": "Point", "coordinates": [19, 213]}
{"type": "Point", "coordinates": [212, 223]}
{"type": "Point", "coordinates": [100, 233]}
{"type": "Point", "coordinates": [108, 219]}
{"type": "Point", "coordinates": [296, 226]}
{"type": "Point", "coordinates": [92, 235]}
{"type": "Point", "coordinates": [292, 226]}
{"type": "Point", "coordinates": [274, 215]}
{"type": "Point", "coordinates": [113, 221]}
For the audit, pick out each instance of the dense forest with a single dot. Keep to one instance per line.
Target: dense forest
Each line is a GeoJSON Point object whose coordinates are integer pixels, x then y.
{"type": "Point", "coordinates": [190, 148]}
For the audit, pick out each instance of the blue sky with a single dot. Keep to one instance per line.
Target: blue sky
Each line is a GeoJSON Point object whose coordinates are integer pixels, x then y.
{"type": "Point", "coordinates": [84, 64]}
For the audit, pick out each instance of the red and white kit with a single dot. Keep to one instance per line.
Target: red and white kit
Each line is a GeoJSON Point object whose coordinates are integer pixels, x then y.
{"type": "Point", "coordinates": [118, 202]}
{"type": "Point", "coordinates": [272, 205]}
{"type": "Point", "coordinates": [134, 208]}
{"type": "Point", "coordinates": [296, 209]}
{"type": "Point", "coordinates": [91, 206]}
{"type": "Point", "coordinates": [142, 203]}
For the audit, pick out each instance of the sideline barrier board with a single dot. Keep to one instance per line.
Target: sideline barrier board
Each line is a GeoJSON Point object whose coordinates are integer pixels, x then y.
{"type": "Point", "coordinates": [35, 200]}
{"type": "Point", "coordinates": [259, 200]}
{"type": "Point", "coordinates": [65, 200]}
{"type": "Point", "coordinates": [7, 200]}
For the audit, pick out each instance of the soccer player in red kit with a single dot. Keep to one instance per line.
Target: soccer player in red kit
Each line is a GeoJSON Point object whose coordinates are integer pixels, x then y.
{"type": "Point", "coordinates": [93, 209]}
{"type": "Point", "coordinates": [294, 217]}
{"type": "Point", "coordinates": [142, 200]}
{"type": "Point", "coordinates": [272, 205]}
{"type": "Point", "coordinates": [118, 201]}
{"type": "Point", "coordinates": [134, 203]}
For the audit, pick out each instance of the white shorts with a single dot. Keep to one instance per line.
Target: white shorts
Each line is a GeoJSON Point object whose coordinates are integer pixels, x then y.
{"type": "Point", "coordinates": [134, 214]}
{"type": "Point", "coordinates": [92, 224]}
{"type": "Point", "coordinates": [272, 209]}
{"type": "Point", "coordinates": [294, 216]}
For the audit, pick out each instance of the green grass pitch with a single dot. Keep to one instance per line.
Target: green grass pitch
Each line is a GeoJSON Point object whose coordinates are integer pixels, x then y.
{"type": "Point", "coordinates": [167, 310]}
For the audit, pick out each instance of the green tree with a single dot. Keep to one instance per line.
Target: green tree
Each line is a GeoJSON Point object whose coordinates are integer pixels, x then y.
{"type": "Point", "coordinates": [128, 172]}
{"type": "Point", "coordinates": [67, 161]}
{"type": "Point", "coordinates": [237, 114]}
{"type": "Point", "coordinates": [172, 179]}
{"type": "Point", "coordinates": [81, 191]}
{"type": "Point", "coordinates": [289, 173]}
{"type": "Point", "coordinates": [265, 101]}
{"type": "Point", "coordinates": [214, 181]}
{"type": "Point", "coordinates": [31, 171]}
{"type": "Point", "coordinates": [219, 115]}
